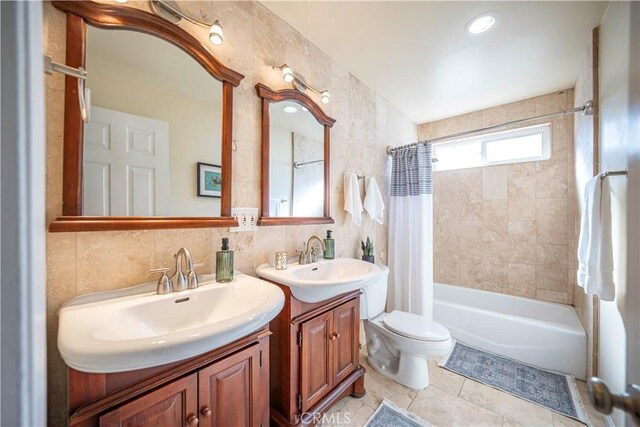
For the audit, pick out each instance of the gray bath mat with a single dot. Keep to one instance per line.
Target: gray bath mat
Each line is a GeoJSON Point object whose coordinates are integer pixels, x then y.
{"type": "Point", "coordinates": [554, 391]}
{"type": "Point", "coordinates": [389, 415]}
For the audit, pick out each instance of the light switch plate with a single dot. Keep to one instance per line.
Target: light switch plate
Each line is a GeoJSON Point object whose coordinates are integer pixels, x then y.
{"type": "Point", "coordinates": [247, 219]}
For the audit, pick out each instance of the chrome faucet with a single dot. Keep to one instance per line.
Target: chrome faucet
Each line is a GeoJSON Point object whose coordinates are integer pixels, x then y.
{"type": "Point", "coordinates": [182, 281]}
{"type": "Point", "coordinates": [308, 256]}
{"type": "Point", "coordinates": [179, 281]}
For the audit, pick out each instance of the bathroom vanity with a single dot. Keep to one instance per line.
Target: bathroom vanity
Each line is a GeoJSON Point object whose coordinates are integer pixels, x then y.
{"type": "Point", "coordinates": [193, 357]}
{"type": "Point", "coordinates": [224, 387]}
{"type": "Point", "coordinates": [316, 349]}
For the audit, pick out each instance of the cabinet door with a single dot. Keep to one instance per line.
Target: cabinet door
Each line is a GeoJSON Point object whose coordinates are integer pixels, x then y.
{"type": "Point", "coordinates": [315, 361]}
{"type": "Point", "coordinates": [175, 404]}
{"type": "Point", "coordinates": [229, 390]}
{"type": "Point", "coordinates": [345, 340]}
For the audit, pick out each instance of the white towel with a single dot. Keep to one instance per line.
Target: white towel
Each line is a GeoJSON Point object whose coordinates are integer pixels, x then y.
{"type": "Point", "coordinates": [595, 250]}
{"type": "Point", "coordinates": [352, 201]}
{"type": "Point", "coordinates": [278, 207]}
{"type": "Point", "coordinates": [373, 202]}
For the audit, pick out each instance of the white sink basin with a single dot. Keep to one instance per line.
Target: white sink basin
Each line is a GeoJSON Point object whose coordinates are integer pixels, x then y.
{"type": "Point", "coordinates": [121, 333]}
{"type": "Point", "coordinates": [322, 280]}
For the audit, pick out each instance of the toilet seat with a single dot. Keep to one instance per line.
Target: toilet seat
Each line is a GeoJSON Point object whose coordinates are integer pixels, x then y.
{"type": "Point", "coordinates": [415, 326]}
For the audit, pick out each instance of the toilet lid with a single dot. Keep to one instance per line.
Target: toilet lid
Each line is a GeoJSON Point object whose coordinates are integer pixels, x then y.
{"type": "Point", "coordinates": [414, 326]}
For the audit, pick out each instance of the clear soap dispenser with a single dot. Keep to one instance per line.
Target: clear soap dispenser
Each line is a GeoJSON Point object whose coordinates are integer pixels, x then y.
{"type": "Point", "coordinates": [224, 263]}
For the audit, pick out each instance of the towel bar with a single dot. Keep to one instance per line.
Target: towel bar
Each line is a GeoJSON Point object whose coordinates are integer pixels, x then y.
{"type": "Point", "coordinates": [613, 173]}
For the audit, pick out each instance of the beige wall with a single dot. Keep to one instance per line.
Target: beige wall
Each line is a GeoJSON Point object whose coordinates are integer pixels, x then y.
{"type": "Point", "coordinates": [255, 39]}
{"type": "Point", "coordinates": [585, 166]}
{"type": "Point", "coordinates": [507, 228]}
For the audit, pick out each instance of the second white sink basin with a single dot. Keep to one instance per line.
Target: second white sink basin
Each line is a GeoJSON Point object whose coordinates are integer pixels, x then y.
{"type": "Point", "coordinates": [135, 331]}
{"type": "Point", "coordinates": [324, 279]}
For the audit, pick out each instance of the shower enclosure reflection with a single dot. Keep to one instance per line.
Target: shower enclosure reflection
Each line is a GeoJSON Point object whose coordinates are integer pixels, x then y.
{"type": "Point", "coordinates": [296, 170]}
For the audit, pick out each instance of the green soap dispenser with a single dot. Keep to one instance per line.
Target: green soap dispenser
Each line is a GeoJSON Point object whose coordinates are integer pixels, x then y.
{"type": "Point", "coordinates": [224, 263]}
{"type": "Point", "coordinates": [329, 246]}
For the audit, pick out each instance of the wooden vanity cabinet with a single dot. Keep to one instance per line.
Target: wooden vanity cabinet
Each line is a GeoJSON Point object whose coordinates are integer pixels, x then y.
{"type": "Point", "coordinates": [314, 354]}
{"type": "Point", "coordinates": [170, 405]}
{"type": "Point", "coordinates": [225, 387]}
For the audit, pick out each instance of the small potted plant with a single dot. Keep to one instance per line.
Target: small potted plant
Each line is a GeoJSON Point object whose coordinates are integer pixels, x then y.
{"type": "Point", "coordinates": [367, 251]}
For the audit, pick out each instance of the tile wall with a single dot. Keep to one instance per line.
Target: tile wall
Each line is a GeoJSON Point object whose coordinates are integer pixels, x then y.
{"type": "Point", "coordinates": [586, 165]}
{"type": "Point", "coordinates": [508, 228]}
{"type": "Point", "coordinates": [255, 39]}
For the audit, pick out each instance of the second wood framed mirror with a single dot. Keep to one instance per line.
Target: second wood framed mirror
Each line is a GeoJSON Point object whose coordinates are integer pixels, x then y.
{"type": "Point", "coordinates": [296, 155]}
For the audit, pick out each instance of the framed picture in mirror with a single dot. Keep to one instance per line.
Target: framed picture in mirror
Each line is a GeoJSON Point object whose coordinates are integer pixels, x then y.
{"type": "Point", "coordinates": [209, 180]}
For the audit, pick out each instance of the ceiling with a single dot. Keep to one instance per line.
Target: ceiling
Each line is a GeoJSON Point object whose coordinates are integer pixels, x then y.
{"type": "Point", "coordinates": [418, 55]}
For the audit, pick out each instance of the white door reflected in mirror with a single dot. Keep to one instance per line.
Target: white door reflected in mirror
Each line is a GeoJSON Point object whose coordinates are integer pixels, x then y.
{"type": "Point", "coordinates": [126, 165]}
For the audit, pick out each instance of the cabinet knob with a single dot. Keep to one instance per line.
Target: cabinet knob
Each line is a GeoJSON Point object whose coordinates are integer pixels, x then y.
{"type": "Point", "coordinates": [205, 412]}
{"type": "Point", "coordinates": [332, 337]}
{"type": "Point", "coordinates": [192, 420]}
{"type": "Point", "coordinates": [337, 334]}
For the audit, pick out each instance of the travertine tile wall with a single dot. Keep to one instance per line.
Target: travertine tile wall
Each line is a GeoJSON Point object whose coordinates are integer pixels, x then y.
{"type": "Point", "coordinates": [586, 166]}
{"type": "Point", "coordinates": [255, 39]}
{"type": "Point", "coordinates": [508, 228]}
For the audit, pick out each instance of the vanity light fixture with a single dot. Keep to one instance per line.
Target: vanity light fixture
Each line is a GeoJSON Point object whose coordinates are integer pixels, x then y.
{"type": "Point", "coordinates": [287, 74]}
{"type": "Point", "coordinates": [299, 83]}
{"type": "Point", "coordinates": [122, 1]}
{"type": "Point", "coordinates": [215, 33]}
{"type": "Point", "coordinates": [482, 23]}
{"type": "Point", "coordinates": [170, 11]}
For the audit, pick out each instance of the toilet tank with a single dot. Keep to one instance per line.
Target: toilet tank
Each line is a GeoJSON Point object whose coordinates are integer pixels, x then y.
{"type": "Point", "coordinates": [374, 296]}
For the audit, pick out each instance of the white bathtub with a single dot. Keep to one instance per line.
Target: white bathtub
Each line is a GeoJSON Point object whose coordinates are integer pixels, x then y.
{"type": "Point", "coordinates": [538, 333]}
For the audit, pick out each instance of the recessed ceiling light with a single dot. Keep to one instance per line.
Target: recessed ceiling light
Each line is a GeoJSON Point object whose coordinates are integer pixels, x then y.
{"type": "Point", "coordinates": [290, 109]}
{"type": "Point", "coordinates": [482, 23]}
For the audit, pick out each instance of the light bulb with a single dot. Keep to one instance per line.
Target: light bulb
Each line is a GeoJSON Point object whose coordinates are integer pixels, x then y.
{"type": "Point", "coordinates": [287, 74]}
{"type": "Point", "coordinates": [122, 1]}
{"type": "Point", "coordinates": [325, 97]}
{"type": "Point", "coordinates": [481, 23]}
{"type": "Point", "coordinates": [216, 36]}
{"type": "Point", "coordinates": [290, 109]}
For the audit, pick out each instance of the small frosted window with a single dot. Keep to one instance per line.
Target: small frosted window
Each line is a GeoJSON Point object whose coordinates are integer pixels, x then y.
{"type": "Point", "coordinates": [522, 147]}
{"type": "Point", "coordinates": [458, 156]}
{"type": "Point", "coordinates": [519, 145]}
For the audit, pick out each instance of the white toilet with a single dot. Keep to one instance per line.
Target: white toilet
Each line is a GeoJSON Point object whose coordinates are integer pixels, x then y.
{"type": "Point", "coordinates": [399, 343]}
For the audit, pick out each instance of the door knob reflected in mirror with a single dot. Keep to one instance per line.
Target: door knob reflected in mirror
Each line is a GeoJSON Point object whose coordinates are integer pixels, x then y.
{"type": "Point", "coordinates": [604, 401]}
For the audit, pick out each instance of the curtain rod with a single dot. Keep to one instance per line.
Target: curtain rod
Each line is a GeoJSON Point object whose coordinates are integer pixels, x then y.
{"type": "Point", "coordinates": [587, 109]}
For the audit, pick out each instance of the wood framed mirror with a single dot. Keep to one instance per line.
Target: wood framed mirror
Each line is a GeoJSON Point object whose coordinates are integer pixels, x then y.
{"type": "Point", "coordinates": [296, 155]}
{"type": "Point", "coordinates": [159, 184]}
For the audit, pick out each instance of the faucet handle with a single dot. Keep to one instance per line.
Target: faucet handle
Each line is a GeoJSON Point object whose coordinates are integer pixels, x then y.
{"type": "Point", "coordinates": [165, 285]}
{"type": "Point", "coordinates": [193, 281]}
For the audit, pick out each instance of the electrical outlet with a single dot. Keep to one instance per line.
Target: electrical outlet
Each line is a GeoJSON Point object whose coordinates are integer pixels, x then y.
{"type": "Point", "coordinates": [247, 219]}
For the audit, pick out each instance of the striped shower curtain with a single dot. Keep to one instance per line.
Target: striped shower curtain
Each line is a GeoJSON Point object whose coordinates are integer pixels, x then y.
{"type": "Point", "coordinates": [411, 231]}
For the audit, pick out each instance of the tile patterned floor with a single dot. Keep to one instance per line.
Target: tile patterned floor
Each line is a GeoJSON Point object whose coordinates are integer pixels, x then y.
{"type": "Point", "coordinates": [451, 400]}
